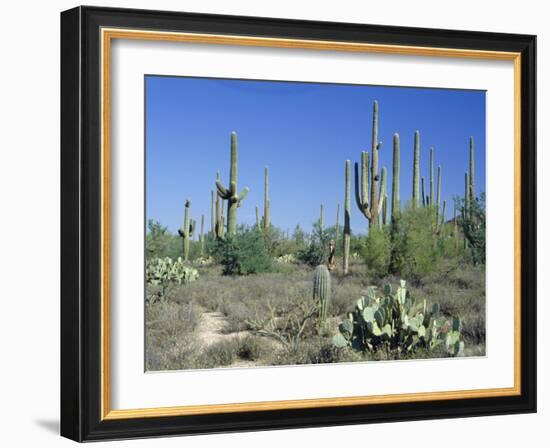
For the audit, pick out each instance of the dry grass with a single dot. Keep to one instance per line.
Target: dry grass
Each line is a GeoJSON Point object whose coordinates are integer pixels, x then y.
{"type": "Point", "coordinates": [173, 337]}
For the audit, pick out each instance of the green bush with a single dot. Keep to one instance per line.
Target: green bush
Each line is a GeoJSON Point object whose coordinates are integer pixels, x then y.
{"type": "Point", "coordinates": [414, 243]}
{"type": "Point", "coordinates": [242, 254]}
{"type": "Point", "coordinates": [376, 251]}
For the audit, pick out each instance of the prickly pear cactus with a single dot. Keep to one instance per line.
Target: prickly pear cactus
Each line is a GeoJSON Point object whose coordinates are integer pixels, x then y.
{"type": "Point", "coordinates": [161, 271]}
{"type": "Point", "coordinates": [321, 289]}
{"type": "Point", "coordinates": [394, 321]}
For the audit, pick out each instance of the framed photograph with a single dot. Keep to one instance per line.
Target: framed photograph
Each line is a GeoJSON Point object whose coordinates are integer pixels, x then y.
{"type": "Point", "coordinates": [274, 223]}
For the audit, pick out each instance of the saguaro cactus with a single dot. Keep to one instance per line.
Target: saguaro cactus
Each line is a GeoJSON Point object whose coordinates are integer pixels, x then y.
{"type": "Point", "coordinates": [187, 230]}
{"type": "Point", "coordinates": [321, 289]}
{"type": "Point", "coordinates": [202, 235]}
{"type": "Point", "coordinates": [395, 178]}
{"type": "Point", "coordinates": [443, 212]}
{"type": "Point", "coordinates": [212, 215]}
{"type": "Point", "coordinates": [472, 167]}
{"type": "Point", "coordinates": [369, 208]}
{"type": "Point", "coordinates": [321, 218]}
{"type": "Point", "coordinates": [347, 230]}
{"type": "Point", "coordinates": [383, 198]}
{"type": "Point", "coordinates": [416, 169]}
{"type": "Point", "coordinates": [258, 225]}
{"type": "Point", "coordinates": [466, 195]}
{"type": "Point", "coordinates": [438, 206]}
{"type": "Point", "coordinates": [337, 230]}
{"type": "Point", "coordinates": [423, 193]}
{"type": "Point", "coordinates": [267, 205]}
{"type": "Point", "coordinates": [230, 194]}
{"type": "Point", "coordinates": [432, 192]}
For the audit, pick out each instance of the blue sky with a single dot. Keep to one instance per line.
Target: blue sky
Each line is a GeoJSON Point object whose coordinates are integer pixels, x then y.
{"type": "Point", "coordinates": [304, 132]}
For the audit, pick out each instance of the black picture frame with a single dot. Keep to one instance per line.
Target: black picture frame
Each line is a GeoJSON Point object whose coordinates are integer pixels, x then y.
{"type": "Point", "coordinates": [81, 224]}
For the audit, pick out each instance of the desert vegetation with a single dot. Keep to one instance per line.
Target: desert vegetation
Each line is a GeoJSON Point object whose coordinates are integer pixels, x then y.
{"type": "Point", "coordinates": [409, 284]}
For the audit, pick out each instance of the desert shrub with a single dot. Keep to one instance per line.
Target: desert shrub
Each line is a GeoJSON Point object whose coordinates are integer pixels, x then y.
{"type": "Point", "coordinates": [316, 252]}
{"type": "Point", "coordinates": [253, 348]}
{"type": "Point", "coordinates": [160, 243]}
{"type": "Point", "coordinates": [218, 354]}
{"type": "Point", "coordinates": [242, 254]}
{"type": "Point", "coordinates": [414, 243]}
{"type": "Point", "coordinates": [376, 251]}
{"type": "Point", "coordinates": [473, 227]}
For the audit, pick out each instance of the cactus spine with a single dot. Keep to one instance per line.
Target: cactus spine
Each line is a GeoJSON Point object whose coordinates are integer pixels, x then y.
{"type": "Point", "coordinates": [202, 235]}
{"type": "Point", "coordinates": [321, 290]}
{"type": "Point", "coordinates": [395, 179]}
{"type": "Point", "coordinates": [347, 230]}
{"type": "Point", "coordinates": [230, 194]}
{"type": "Point", "coordinates": [416, 169]}
{"type": "Point", "coordinates": [267, 208]}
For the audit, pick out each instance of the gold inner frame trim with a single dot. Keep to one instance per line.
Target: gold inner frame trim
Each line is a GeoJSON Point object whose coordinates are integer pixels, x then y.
{"type": "Point", "coordinates": [107, 35]}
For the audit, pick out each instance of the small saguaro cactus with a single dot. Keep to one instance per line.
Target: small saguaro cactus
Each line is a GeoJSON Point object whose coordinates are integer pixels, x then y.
{"type": "Point", "coordinates": [443, 212]}
{"type": "Point", "coordinates": [321, 290]}
{"type": "Point", "coordinates": [416, 169]}
{"type": "Point", "coordinates": [187, 230]}
{"type": "Point", "coordinates": [321, 218]}
{"type": "Point", "coordinates": [347, 229]}
{"type": "Point", "coordinates": [395, 178]}
{"type": "Point", "coordinates": [230, 194]}
{"type": "Point", "coordinates": [369, 207]}
{"type": "Point", "coordinates": [267, 205]}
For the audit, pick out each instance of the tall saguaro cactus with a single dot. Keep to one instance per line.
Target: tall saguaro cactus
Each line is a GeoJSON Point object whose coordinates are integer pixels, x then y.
{"type": "Point", "coordinates": [466, 195]}
{"type": "Point", "coordinates": [423, 193]}
{"type": "Point", "coordinates": [395, 178]}
{"type": "Point", "coordinates": [267, 205]}
{"type": "Point", "coordinates": [432, 192]}
{"type": "Point", "coordinates": [230, 194]}
{"type": "Point", "coordinates": [370, 208]}
{"type": "Point", "coordinates": [321, 218]}
{"type": "Point", "coordinates": [472, 168]}
{"type": "Point", "coordinates": [416, 169]}
{"type": "Point", "coordinates": [438, 194]}
{"type": "Point", "coordinates": [347, 229]}
{"type": "Point", "coordinates": [187, 230]}
{"type": "Point", "coordinates": [202, 235]}
{"type": "Point", "coordinates": [258, 225]}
